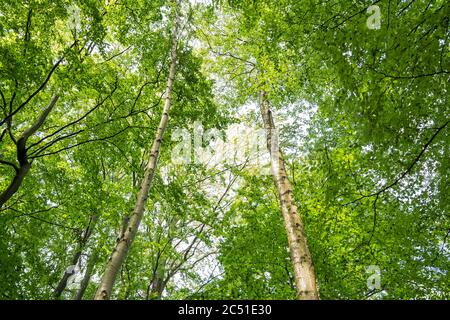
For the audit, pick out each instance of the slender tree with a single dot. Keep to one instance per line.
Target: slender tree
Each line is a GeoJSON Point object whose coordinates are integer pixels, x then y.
{"type": "Point", "coordinates": [126, 238]}
{"type": "Point", "coordinates": [84, 238]}
{"type": "Point", "coordinates": [304, 275]}
{"type": "Point", "coordinates": [90, 265]}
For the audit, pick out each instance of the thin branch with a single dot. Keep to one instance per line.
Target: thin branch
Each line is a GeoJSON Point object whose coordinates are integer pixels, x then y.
{"type": "Point", "coordinates": [117, 54]}
{"type": "Point", "coordinates": [76, 121]}
{"type": "Point", "coordinates": [406, 7]}
{"type": "Point", "coordinates": [81, 143]}
{"type": "Point", "coordinates": [353, 15]}
{"type": "Point", "coordinates": [414, 76]}
{"type": "Point", "coordinates": [55, 66]}
{"type": "Point", "coordinates": [10, 164]}
{"type": "Point", "coordinates": [35, 126]}
{"type": "Point", "coordinates": [32, 215]}
{"type": "Point", "coordinates": [407, 171]}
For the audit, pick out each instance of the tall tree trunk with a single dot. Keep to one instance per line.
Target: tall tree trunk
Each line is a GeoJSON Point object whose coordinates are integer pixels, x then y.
{"type": "Point", "coordinates": [304, 275]}
{"type": "Point", "coordinates": [21, 172]}
{"type": "Point", "coordinates": [156, 287]}
{"type": "Point", "coordinates": [22, 158]}
{"type": "Point", "coordinates": [76, 256]}
{"type": "Point", "coordinates": [87, 276]}
{"type": "Point", "coordinates": [126, 238]}
{"type": "Point", "coordinates": [158, 283]}
{"type": "Point", "coordinates": [63, 282]}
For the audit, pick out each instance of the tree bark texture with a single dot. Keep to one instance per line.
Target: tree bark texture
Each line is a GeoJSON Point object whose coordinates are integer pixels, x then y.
{"type": "Point", "coordinates": [126, 238]}
{"type": "Point", "coordinates": [302, 263]}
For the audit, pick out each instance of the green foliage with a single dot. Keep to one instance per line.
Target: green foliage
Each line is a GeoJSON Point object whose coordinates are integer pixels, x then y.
{"type": "Point", "coordinates": [364, 121]}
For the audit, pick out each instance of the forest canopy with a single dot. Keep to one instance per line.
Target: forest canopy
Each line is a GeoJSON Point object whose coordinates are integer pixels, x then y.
{"type": "Point", "coordinates": [211, 149]}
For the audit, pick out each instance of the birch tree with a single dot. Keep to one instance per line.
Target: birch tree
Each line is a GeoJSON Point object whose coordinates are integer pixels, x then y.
{"type": "Point", "coordinates": [131, 224]}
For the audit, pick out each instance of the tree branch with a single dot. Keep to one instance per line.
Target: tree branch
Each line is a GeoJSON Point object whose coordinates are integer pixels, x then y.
{"type": "Point", "coordinates": [406, 172]}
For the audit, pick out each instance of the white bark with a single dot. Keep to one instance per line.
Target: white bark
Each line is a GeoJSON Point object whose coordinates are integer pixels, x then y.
{"type": "Point", "coordinates": [302, 264]}
{"type": "Point", "coordinates": [125, 239]}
